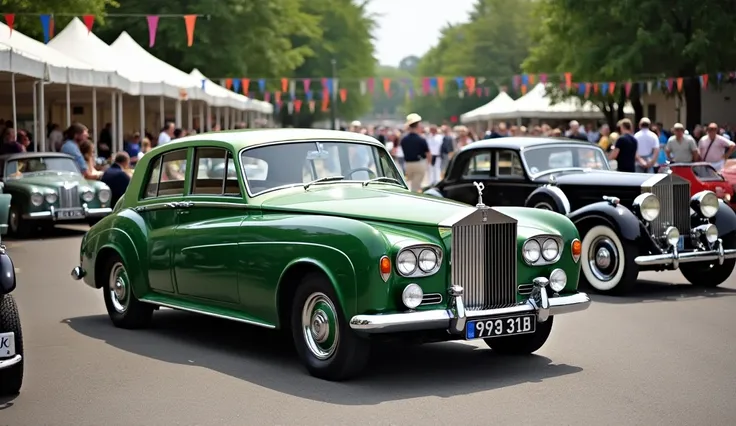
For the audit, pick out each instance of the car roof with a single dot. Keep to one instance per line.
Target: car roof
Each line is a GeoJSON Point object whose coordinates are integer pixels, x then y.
{"type": "Point", "coordinates": [522, 142]}
{"type": "Point", "coordinates": [246, 138]}
{"type": "Point", "coordinates": [23, 155]}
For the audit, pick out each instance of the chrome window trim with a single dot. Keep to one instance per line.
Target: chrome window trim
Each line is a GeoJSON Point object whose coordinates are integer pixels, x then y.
{"type": "Point", "coordinates": [416, 249]}
{"type": "Point", "coordinates": [561, 145]}
{"type": "Point", "coordinates": [540, 239]}
{"type": "Point", "coordinates": [294, 185]}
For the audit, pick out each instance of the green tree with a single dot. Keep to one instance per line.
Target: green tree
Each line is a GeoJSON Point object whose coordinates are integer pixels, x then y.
{"type": "Point", "coordinates": [30, 25]}
{"type": "Point", "coordinates": [624, 40]}
{"type": "Point", "coordinates": [346, 38]}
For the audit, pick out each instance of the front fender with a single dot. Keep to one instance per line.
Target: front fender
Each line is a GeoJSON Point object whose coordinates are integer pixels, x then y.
{"type": "Point", "coordinates": [725, 220]}
{"type": "Point", "coordinates": [621, 219]}
{"type": "Point", "coordinates": [7, 274]}
{"type": "Point", "coordinates": [558, 197]}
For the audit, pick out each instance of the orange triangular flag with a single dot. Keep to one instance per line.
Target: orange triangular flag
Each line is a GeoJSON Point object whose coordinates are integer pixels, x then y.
{"type": "Point", "coordinates": [229, 83]}
{"type": "Point", "coordinates": [284, 84]}
{"type": "Point", "coordinates": [51, 28]}
{"type": "Point", "coordinates": [343, 95]}
{"type": "Point", "coordinates": [595, 88]}
{"type": "Point", "coordinates": [612, 88]}
{"type": "Point", "coordinates": [387, 86]}
{"type": "Point", "coordinates": [470, 84]}
{"type": "Point", "coordinates": [441, 85]}
{"type": "Point", "coordinates": [10, 20]}
{"type": "Point", "coordinates": [568, 80]}
{"type": "Point", "coordinates": [531, 78]}
{"type": "Point", "coordinates": [523, 89]}
{"type": "Point", "coordinates": [189, 21]}
{"type": "Point", "coordinates": [679, 84]}
{"type": "Point", "coordinates": [704, 80]}
{"type": "Point", "coordinates": [325, 104]}
{"type": "Point", "coordinates": [245, 82]}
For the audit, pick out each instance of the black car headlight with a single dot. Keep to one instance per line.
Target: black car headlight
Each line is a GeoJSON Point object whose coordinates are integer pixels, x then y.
{"type": "Point", "coordinates": [706, 203]}
{"type": "Point", "coordinates": [646, 206]}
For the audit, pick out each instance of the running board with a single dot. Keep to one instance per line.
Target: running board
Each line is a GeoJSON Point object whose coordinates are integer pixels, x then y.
{"type": "Point", "coordinates": [198, 308]}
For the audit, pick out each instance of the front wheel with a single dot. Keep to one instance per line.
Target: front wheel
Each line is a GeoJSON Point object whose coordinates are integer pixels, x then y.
{"type": "Point", "coordinates": [607, 262]}
{"type": "Point", "coordinates": [124, 309]}
{"type": "Point", "coordinates": [19, 227]}
{"type": "Point", "coordinates": [324, 341]}
{"type": "Point", "coordinates": [11, 378]}
{"type": "Point", "coordinates": [522, 344]}
{"type": "Point", "coordinates": [710, 274]}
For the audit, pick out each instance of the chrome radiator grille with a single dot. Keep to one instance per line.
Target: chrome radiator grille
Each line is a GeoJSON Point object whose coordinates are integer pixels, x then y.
{"type": "Point", "coordinates": [674, 199]}
{"type": "Point", "coordinates": [484, 264]}
{"type": "Point", "coordinates": [69, 197]}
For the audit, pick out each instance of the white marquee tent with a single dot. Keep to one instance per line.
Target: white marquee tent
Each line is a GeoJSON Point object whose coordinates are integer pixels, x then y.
{"type": "Point", "coordinates": [502, 102]}
{"type": "Point", "coordinates": [536, 104]}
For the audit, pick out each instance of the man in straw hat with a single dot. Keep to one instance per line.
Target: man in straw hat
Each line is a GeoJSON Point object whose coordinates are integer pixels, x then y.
{"type": "Point", "coordinates": [415, 151]}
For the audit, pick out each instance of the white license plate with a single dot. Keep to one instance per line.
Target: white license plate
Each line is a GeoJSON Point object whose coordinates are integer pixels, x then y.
{"type": "Point", "coordinates": [681, 243]}
{"type": "Point", "coordinates": [500, 326]}
{"type": "Point", "coordinates": [70, 214]}
{"type": "Point", "coordinates": [7, 345]}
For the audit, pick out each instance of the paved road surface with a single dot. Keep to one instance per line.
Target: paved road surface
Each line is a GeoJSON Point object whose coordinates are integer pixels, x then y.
{"type": "Point", "coordinates": [665, 356]}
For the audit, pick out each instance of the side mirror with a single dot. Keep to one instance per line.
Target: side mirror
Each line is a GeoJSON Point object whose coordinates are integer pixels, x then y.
{"type": "Point", "coordinates": [7, 273]}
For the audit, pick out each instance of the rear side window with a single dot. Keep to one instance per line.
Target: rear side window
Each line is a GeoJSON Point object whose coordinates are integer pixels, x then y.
{"type": "Point", "coordinates": [167, 175]}
{"type": "Point", "coordinates": [215, 173]}
{"type": "Point", "coordinates": [479, 164]}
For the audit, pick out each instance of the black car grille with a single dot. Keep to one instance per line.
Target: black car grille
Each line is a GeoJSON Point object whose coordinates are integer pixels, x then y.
{"type": "Point", "coordinates": [484, 259]}
{"type": "Point", "coordinates": [674, 198]}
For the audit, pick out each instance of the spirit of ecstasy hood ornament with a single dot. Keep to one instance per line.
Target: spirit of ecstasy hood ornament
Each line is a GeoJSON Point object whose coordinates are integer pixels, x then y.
{"type": "Point", "coordinates": [480, 187]}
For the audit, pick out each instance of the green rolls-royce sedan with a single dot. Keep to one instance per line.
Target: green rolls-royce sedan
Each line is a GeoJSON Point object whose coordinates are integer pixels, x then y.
{"type": "Point", "coordinates": [48, 188]}
{"type": "Point", "coordinates": [318, 233]}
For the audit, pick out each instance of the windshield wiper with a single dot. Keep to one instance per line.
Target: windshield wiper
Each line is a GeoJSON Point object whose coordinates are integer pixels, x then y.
{"type": "Point", "coordinates": [324, 179]}
{"type": "Point", "coordinates": [383, 179]}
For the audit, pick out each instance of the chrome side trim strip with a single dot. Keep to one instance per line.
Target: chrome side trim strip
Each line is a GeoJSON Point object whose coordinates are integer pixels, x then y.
{"type": "Point", "coordinates": [209, 314]}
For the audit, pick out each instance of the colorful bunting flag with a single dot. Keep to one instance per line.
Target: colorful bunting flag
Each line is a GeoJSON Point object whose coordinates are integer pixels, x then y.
{"type": "Point", "coordinates": [189, 21]}
{"type": "Point", "coordinates": [10, 21]}
{"type": "Point", "coordinates": [89, 21]}
{"type": "Point", "coordinates": [297, 105]}
{"type": "Point", "coordinates": [152, 28]}
{"type": "Point", "coordinates": [284, 84]}
{"type": "Point", "coordinates": [245, 82]}
{"type": "Point", "coordinates": [46, 26]}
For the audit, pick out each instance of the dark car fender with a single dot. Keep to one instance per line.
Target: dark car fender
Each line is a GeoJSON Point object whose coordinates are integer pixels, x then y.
{"type": "Point", "coordinates": [725, 220]}
{"type": "Point", "coordinates": [546, 194]}
{"type": "Point", "coordinates": [621, 219]}
{"type": "Point", "coordinates": [7, 273]}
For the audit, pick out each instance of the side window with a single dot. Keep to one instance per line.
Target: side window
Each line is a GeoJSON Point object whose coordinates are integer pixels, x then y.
{"type": "Point", "coordinates": [509, 164]}
{"type": "Point", "coordinates": [166, 177]}
{"type": "Point", "coordinates": [215, 172]}
{"type": "Point", "coordinates": [479, 164]}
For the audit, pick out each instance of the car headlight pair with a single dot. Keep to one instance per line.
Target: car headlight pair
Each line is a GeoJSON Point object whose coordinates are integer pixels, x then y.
{"type": "Point", "coordinates": [541, 249]}
{"type": "Point", "coordinates": [418, 261]}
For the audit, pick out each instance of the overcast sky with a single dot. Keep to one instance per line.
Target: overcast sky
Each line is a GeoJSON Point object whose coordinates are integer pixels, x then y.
{"type": "Point", "coordinates": [411, 27]}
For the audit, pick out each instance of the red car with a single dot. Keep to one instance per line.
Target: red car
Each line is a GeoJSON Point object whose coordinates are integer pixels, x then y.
{"type": "Point", "coordinates": [703, 176]}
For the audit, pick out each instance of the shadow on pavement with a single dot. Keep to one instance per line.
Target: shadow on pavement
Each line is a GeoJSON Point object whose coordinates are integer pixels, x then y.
{"type": "Point", "coordinates": [57, 232]}
{"type": "Point", "coordinates": [267, 358]}
{"type": "Point", "coordinates": [655, 291]}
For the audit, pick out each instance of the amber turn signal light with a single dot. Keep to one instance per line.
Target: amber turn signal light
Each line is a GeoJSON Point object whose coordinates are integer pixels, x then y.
{"type": "Point", "coordinates": [577, 248]}
{"type": "Point", "coordinates": [385, 268]}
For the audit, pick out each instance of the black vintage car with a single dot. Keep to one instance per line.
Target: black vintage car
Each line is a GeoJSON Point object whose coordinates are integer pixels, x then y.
{"type": "Point", "coordinates": [628, 222]}
{"type": "Point", "coordinates": [11, 337]}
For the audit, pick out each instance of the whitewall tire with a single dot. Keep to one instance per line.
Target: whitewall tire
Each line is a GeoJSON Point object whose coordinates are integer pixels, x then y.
{"type": "Point", "coordinates": [607, 262]}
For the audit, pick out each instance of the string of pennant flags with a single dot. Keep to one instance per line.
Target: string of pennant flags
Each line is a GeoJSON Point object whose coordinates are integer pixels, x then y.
{"type": "Point", "coordinates": [296, 92]}
{"type": "Point", "coordinates": [47, 23]}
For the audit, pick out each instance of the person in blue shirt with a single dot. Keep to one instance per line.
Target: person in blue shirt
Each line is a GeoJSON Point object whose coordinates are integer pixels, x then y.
{"type": "Point", "coordinates": [116, 176]}
{"type": "Point", "coordinates": [75, 135]}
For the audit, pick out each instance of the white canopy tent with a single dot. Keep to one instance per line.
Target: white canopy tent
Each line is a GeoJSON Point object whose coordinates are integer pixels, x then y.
{"type": "Point", "coordinates": [536, 104]}
{"type": "Point", "coordinates": [502, 102]}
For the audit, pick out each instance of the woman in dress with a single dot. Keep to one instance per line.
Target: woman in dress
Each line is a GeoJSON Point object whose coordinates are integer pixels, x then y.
{"type": "Point", "coordinates": [88, 152]}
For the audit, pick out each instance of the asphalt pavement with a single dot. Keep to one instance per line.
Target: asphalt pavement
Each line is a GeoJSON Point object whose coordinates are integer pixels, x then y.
{"type": "Point", "coordinates": [662, 356]}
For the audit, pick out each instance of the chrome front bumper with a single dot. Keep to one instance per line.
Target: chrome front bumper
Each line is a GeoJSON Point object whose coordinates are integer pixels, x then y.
{"type": "Point", "coordinates": [674, 258]}
{"type": "Point", "coordinates": [7, 363]}
{"type": "Point", "coordinates": [455, 317]}
{"type": "Point", "coordinates": [55, 214]}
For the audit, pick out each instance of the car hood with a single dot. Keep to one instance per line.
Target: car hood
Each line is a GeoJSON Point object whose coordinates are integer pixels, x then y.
{"type": "Point", "coordinates": [533, 222]}
{"type": "Point", "coordinates": [379, 202]}
{"type": "Point", "coordinates": [49, 181]}
{"type": "Point", "coordinates": [597, 178]}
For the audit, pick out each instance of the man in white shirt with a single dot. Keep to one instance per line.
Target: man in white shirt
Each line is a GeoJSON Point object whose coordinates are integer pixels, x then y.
{"type": "Point", "coordinates": [647, 147]}
{"type": "Point", "coordinates": [434, 141]}
{"type": "Point", "coordinates": [166, 133]}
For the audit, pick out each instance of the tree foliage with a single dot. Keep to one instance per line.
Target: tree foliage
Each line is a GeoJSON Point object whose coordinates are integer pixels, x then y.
{"type": "Point", "coordinates": [491, 46]}
{"type": "Point", "coordinates": [620, 40]}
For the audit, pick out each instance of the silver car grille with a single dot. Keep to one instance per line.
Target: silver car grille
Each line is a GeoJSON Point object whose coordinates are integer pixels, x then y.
{"type": "Point", "coordinates": [69, 197]}
{"type": "Point", "coordinates": [484, 261]}
{"type": "Point", "coordinates": [674, 198]}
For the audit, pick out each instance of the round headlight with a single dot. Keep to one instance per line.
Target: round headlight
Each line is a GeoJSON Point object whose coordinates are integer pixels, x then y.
{"type": "Point", "coordinates": [672, 235]}
{"type": "Point", "coordinates": [36, 199]}
{"type": "Point", "coordinates": [104, 195]}
{"type": "Point", "coordinates": [531, 251]}
{"type": "Point", "coordinates": [708, 203]}
{"type": "Point", "coordinates": [711, 233]}
{"type": "Point", "coordinates": [648, 205]}
{"type": "Point", "coordinates": [412, 296]}
{"type": "Point", "coordinates": [406, 262]}
{"type": "Point", "coordinates": [427, 260]}
{"type": "Point", "coordinates": [51, 197]}
{"type": "Point", "coordinates": [550, 249]}
{"type": "Point", "coordinates": [557, 280]}
{"type": "Point", "coordinates": [88, 196]}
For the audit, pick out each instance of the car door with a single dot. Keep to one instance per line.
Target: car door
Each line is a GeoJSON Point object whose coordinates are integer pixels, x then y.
{"type": "Point", "coordinates": [512, 187]}
{"type": "Point", "coordinates": [205, 261]}
{"type": "Point", "coordinates": [475, 168]}
{"type": "Point", "coordinates": [164, 189]}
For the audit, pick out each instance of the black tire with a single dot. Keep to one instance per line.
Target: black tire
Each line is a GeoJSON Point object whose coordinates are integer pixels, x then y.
{"type": "Point", "coordinates": [710, 274]}
{"type": "Point", "coordinates": [11, 378]}
{"type": "Point", "coordinates": [344, 354]}
{"type": "Point", "coordinates": [620, 276]}
{"type": "Point", "coordinates": [17, 226]}
{"type": "Point", "coordinates": [124, 309]}
{"type": "Point", "coordinates": [522, 344]}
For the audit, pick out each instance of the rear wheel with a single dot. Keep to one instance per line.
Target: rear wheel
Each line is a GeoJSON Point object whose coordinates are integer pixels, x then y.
{"type": "Point", "coordinates": [522, 344]}
{"type": "Point", "coordinates": [607, 262]}
{"type": "Point", "coordinates": [124, 309]}
{"type": "Point", "coordinates": [11, 378]}
{"type": "Point", "coordinates": [326, 344]}
{"type": "Point", "coordinates": [710, 274]}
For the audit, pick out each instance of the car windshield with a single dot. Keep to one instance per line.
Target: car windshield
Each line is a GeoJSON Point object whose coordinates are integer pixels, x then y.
{"type": "Point", "coordinates": [299, 163]}
{"type": "Point", "coordinates": [706, 173]}
{"type": "Point", "coordinates": [27, 166]}
{"type": "Point", "coordinates": [540, 160]}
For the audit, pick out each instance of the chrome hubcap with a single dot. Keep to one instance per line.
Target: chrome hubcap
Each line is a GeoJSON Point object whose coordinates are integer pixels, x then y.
{"type": "Point", "coordinates": [603, 258]}
{"type": "Point", "coordinates": [13, 220]}
{"type": "Point", "coordinates": [320, 326]}
{"type": "Point", "coordinates": [119, 288]}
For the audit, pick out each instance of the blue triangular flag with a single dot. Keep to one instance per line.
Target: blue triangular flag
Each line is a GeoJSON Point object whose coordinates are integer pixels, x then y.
{"type": "Point", "coordinates": [262, 84]}
{"type": "Point", "coordinates": [236, 85]}
{"type": "Point", "coordinates": [46, 25]}
{"type": "Point", "coordinates": [203, 82]}
{"type": "Point", "coordinates": [459, 81]}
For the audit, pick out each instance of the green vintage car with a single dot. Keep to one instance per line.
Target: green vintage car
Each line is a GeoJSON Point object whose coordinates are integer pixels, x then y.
{"type": "Point", "coordinates": [48, 188]}
{"type": "Point", "coordinates": [319, 234]}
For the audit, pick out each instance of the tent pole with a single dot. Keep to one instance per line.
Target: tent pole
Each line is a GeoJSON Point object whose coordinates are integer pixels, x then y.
{"type": "Point", "coordinates": [113, 121]}
{"type": "Point", "coordinates": [68, 104]}
{"type": "Point", "coordinates": [142, 110]}
{"type": "Point", "coordinates": [95, 135]}
{"type": "Point", "coordinates": [121, 125]}
{"type": "Point", "coordinates": [190, 116]}
{"type": "Point", "coordinates": [35, 116]}
{"type": "Point", "coordinates": [202, 127]}
{"type": "Point", "coordinates": [15, 108]}
{"type": "Point", "coordinates": [161, 111]}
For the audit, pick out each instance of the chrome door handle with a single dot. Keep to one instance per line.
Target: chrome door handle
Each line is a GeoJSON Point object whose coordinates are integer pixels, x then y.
{"type": "Point", "coordinates": [172, 205]}
{"type": "Point", "coordinates": [185, 204]}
